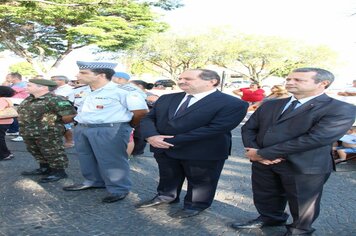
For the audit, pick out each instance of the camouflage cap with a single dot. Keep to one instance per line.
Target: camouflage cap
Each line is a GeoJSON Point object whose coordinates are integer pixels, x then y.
{"type": "Point", "coordinates": [43, 82]}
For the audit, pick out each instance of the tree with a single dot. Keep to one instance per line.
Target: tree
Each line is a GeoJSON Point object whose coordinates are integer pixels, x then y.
{"type": "Point", "coordinates": [170, 54]}
{"type": "Point", "coordinates": [254, 57]}
{"type": "Point", "coordinates": [257, 57]}
{"type": "Point", "coordinates": [24, 68]}
{"type": "Point", "coordinates": [39, 30]}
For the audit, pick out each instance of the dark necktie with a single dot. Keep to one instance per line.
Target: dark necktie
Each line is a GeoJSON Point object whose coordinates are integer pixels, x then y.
{"type": "Point", "coordinates": [184, 105]}
{"type": "Point", "coordinates": [289, 109]}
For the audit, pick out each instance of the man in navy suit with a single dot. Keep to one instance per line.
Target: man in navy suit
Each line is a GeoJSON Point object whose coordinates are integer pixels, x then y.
{"type": "Point", "coordinates": [190, 135]}
{"type": "Point", "coordinates": [289, 143]}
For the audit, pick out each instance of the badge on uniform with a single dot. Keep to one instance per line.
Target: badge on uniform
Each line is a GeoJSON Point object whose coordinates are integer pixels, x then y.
{"type": "Point", "coordinates": [64, 103]}
{"type": "Point", "coordinates": [79, 95]}
{"type": "Point", "coordinates": [99, 107]}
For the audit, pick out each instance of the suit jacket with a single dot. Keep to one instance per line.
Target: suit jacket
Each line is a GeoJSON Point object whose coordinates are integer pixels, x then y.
{"type": "Point", "coordinates": [303, 137]}
{"type": "Point", "coordinates": [201, 132]}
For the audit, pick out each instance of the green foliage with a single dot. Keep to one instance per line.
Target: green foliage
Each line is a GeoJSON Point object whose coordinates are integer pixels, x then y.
{"type": "Point", "coordinates": [172, 54]}
{"type": "Point", "coordinates": [255, 57]}
{"type": "Point", "coordinates": [258, 57]}
{"type": "Point", "coordinates": [24, 68]}
{"type": "Point", "coordinates": [51, 29]}
{"type": "Point", "coordinates": [166, 5]}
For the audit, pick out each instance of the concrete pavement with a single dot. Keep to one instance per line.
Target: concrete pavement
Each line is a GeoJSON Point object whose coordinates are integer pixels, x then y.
{"type": "Point", "coordinates": [29, 208]}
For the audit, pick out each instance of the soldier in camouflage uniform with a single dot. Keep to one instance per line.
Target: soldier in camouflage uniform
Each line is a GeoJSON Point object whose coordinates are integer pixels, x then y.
{"type": "Point", "coordinates": [42, 117]}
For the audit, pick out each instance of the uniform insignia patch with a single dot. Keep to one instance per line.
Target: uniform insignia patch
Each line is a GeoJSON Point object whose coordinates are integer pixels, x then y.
{"type": "Point", "coordinates": [64, 103]}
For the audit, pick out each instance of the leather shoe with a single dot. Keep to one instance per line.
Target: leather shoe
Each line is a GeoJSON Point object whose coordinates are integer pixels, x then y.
{"type": "Point", "coordinates": [78, 187]}
{"type": "Point", "coordinates": [114, 197]}
{"type": "Point", "coordinates": [256, 224]}
{"type": "Point", "coordinates": [39, 171]}
{"type": "Point", "coordinates": [53, 177]}
{"type": "Point", "coordinates": [185, 213]}
{"type": "Point", "coordinates": [297, 232]}
{"type": "Point", "coordinates": [291, 234]}
{"type": "Point", "coordinates": [156, 201]}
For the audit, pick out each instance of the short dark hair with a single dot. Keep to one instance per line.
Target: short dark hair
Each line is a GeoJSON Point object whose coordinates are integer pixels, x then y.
{"type": "Point", "coordinates": [108, 72]}
{"type": "Point", "coordinates": [209, 75]}
{"type": "Point", "coordinates": [16, 75]}
{"type": "Point", "coordinates": [6, 91]}
{"type": "Point", "coordinates": [143, 84]}
{"type": "Point", "coordinates": [321, 74]}
{"type": "Point", "coordinates": [60, 77]}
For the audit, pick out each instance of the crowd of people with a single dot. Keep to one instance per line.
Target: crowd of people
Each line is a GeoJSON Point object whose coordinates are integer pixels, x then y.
{"type": "Point", "coordinates": [189, 133]}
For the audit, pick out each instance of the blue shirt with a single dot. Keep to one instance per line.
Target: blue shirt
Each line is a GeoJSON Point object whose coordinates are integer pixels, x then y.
{"type": "Point", "coordinates": [110, 104]}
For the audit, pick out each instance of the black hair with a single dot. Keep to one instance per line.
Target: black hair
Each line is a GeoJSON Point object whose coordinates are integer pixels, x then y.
{"type": "Point", "coordinates": [108, 72]}
{"type": "Point", "coordinates": [144, 84]}
{"type": "Point", "coordinates": [6, 91]}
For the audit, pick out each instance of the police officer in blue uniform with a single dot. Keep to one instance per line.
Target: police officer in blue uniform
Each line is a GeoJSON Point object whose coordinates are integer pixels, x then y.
{"type": "Point", "coordinates": [106, 114]}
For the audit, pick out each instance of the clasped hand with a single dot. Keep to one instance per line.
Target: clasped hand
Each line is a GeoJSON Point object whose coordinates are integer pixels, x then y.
{"type": "Point", "coordinates": [157, 141]}
{"type": "Point", "coordinates": [251, 153]}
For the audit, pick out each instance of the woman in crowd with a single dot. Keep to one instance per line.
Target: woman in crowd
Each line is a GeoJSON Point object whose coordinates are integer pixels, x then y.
{"type": "Point", "coordinates": [251, 94]}
{"type": "Point", "coordinates": [151, 98]}
{"type": "Point", "coordinates": [277, 92]}
{"type": "Point", "coordinates": [5, 123]}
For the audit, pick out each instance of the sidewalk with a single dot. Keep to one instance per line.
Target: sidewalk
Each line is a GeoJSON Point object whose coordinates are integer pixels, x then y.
{"type": "Point", "coordinates": [29, 208]}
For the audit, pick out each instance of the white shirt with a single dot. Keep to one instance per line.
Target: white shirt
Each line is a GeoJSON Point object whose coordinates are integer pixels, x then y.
{"type": "Point", "coordinates": [196, 97]}
{"type": "Point", "coordinates": [109, 104]}
{"type": "Point", "coordinates": [300, 101]}
{"type": "Point", "coordinates": [64, 90]}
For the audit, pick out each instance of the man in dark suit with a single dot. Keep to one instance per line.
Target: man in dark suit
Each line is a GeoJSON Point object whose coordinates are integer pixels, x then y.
{"type": "Point", "coordinates": [289, 143]}
{"type": "Point", "coordinates": [190, 135]}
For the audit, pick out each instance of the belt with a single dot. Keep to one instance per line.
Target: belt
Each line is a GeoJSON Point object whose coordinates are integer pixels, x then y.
{"type": "Point", "coordinates": [99, 125]}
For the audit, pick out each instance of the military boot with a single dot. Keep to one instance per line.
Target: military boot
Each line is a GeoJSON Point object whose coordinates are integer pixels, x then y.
{"type": "Point", "coordinates": [55, 175]}
{"type": "Point", "coordinates": [43, 170]}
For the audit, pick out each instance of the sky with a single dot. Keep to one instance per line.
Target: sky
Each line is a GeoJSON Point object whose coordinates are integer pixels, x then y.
{"type": "Point", "coordinates": [328, 22]}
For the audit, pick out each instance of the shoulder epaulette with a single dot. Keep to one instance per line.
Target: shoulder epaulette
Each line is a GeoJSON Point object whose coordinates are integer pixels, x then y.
{"type": "Point", "coordinates": [127, 87]}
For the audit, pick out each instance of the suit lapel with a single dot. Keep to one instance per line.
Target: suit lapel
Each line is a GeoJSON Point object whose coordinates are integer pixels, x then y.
{"type": "Point", "coordinates": [174, 105]}
{"type": "Point", "coordinates": [278, 109]}
{"type": "Point", "coordinates": [206, 100]}
{"type": "Point", "coordinates": [318, 101]}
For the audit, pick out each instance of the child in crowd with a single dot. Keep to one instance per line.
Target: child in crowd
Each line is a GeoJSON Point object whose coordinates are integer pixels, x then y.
{"type": "Point", "coordinates": [348, 144]}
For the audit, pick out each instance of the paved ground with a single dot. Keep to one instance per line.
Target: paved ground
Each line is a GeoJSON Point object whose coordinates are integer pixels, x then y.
{"type": "Point", "coordinates": [29, 208]}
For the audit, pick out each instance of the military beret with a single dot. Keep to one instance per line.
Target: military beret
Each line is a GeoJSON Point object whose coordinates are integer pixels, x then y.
{"type": "Point", "coordinates": [95, 65]}
{"type": "Point", "coordinates": [122, 75]}
{"type": "Point", "coordinates": [43, 82]}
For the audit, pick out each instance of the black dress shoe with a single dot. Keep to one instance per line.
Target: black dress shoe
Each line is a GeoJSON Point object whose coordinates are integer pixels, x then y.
{"type": "Point", "coordinates": [53, 177]}
{"type": "Point", "coordinates": [78, 187]}
{"type": "Point", "coordinates": [256, 224]}
{"type": "Point", "coordinates": [185, 213]}
{"type": "Point", "coordinates": [298, 232]}
{"type": "Point", "coordinates": [156, 201]}
{"type": "Point", "coordinates": [114, 197]}
{"type": "Point", "coordinates": [291, 234]}
{"type": "Point", "coordinates": [39, 171]}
